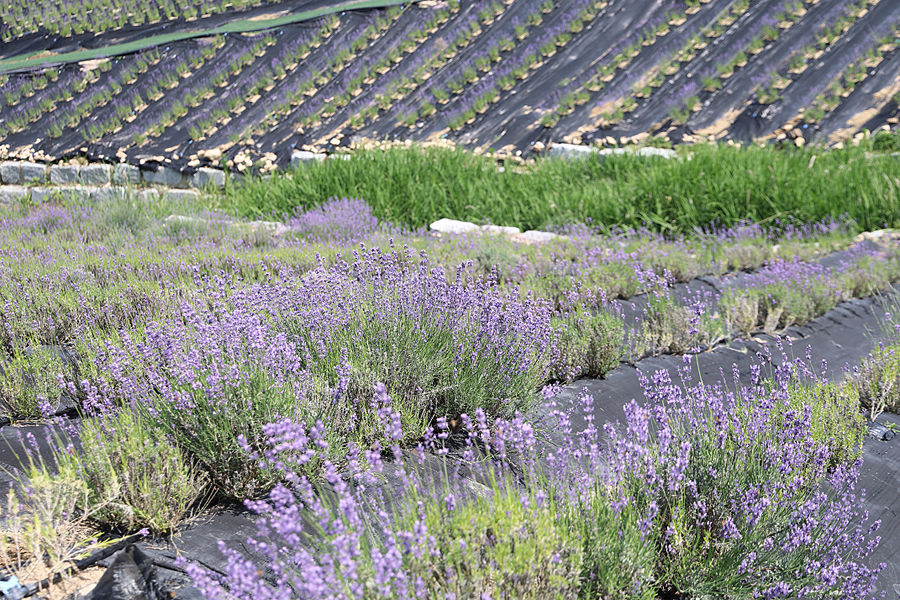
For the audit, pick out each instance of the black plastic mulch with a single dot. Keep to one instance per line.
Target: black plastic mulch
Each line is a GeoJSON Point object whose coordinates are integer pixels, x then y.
{"type": "Point", "coordinates": [513, 122]}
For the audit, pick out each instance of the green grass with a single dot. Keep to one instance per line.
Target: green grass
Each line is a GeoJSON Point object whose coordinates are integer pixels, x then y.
{"type": "Point", "coordinates": [718, 184]}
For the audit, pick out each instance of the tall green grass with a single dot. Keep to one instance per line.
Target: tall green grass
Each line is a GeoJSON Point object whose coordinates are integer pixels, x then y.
{"type": "Point", "coordinates": [709, 183]}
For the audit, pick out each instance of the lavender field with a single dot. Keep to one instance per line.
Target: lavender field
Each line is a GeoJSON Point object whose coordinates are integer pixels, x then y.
{"type": "Point", "coordinates": [387, 401]}
{"type": "Point", "coordinates": [406, 339]}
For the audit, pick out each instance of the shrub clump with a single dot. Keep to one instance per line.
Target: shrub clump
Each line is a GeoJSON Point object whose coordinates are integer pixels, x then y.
{"type": "Point", "coordinates": [654, 508]}
{"type": "Point", "coordinates": [312, 347]}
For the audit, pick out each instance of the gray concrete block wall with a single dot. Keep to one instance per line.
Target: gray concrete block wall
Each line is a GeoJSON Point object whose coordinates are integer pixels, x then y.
{"type": "Point", "coordinates": [96, 174]}
{"type": "Point", "coordinates": [166, 177]}
{"type": "Point", "coordinates": [64, 174]}
{"type": "Point", "coordinates": [10, 172]}
{"type": "Point", "coordinates": [33, 172]}
{"type": "Point", "coordinates": [125, 174]}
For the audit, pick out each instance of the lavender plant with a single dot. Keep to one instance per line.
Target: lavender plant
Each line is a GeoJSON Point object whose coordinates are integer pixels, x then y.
{"type": "Point", "coordinates": [344, 220]}
{"type": "Point", "coordinates": [312, 348]}
{"type": "Point", "coordinates": [783, 293]}
{"type": "Point", "coordinates": [671, 514]}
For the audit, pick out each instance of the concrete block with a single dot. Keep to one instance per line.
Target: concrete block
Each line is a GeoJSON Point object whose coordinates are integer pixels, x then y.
{"type": "Point", "coordinates": [301, 158]}
{"type": "Point", "coordinates": [453, 226]}
{"type": "Point", "coordinates": [146, 195]}
{"type": "Point", "coordinates": [125, 174]}
{"type": "Point", "coordinates": [96, 174]}
{"type": "Point", "coordinates": [41, 194]}
{"type": "Point", "coordinates": [64, 174]}
{"type": "Point", "coordinates": [11, 172]}
{"type": "Point", "coordinates": [10, 194]}
{"type": "Point", "coordinates": [182, 195]}
{"type": "Point", "coordinates": [165, 176]}
{"type": "Point", "coordinates": [34, 172]}
{"type": "Point", "coordinates": [206, 177]}
{"type": "Point", "coordinates": [111, 194]}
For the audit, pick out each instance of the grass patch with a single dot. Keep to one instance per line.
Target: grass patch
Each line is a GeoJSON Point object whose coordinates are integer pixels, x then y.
{"type": "Point", "coordinates": [719, 184]}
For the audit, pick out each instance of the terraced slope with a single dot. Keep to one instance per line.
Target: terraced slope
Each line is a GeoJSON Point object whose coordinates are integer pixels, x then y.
{"type": "Point", "coordinates": [488, 74]}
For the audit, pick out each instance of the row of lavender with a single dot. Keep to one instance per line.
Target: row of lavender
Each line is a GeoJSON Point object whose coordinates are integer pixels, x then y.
{"type": "Point", "coordinates": [288, 365]}
{"type": "Point", "coordinates": [576, 280]}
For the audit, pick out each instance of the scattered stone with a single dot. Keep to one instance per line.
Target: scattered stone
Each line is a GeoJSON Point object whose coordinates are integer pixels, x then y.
{"type": "Point", "coordinates": [799, 142]}
{"type": "Point", "coordinates": [205, 177]}
{"type": "Point", "coordinates": [532, 237]}
{"type": "Point", "coordinates": [165, 176]}
{"type": "Point", "coordinates": [34, 172]}
{"type": "Point", "coordinates": [648, 151]}
{"type": "Point", "coordinates": [538, 146]}
{"type": "Point", "coordinates": [570, 151]}
{"type": "Point", "coordinates": [272, 227]}
{"type": "Point", "coordinates": [96, 174]}
{"type": "Point", "coordinates": [10, 172]}
{"type": "Point", "coordinates": [453, 226]}
{"type": "Point", "coordinates": [124, 174]}
{"type": "Point", "coordinates": [494, 229]}
{"type": "Point", "coordinates": [64, 174]}
{"type": "Point", "coordinates": [893, 120]}
{"type": "Point", "coordinates": [12, 193]}
{"type": "Point", "coordinates": [301, 158]}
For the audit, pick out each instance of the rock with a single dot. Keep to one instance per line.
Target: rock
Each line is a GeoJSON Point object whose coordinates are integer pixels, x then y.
{"type": "Point", "coordinates": [453, 226]}
{"type": "Point", "coordinates": [10, 172]}
{"type": "Point", "coordinates": [33, 172]}
{"type": "Point", "coordinates": [206, 177]}
{"type": "Point", "coordinates": [838, 146]}
{"type": "Point", "coordinates": [64, 174]}
{"type": "Point", "coordinates": [165, 176]}
{"type": "Point", "coordinates": [214, 154]}
{"type": "Point", "coordinates": [538, 146]}
{"type": "Point", "coordinates": [640, 137]}
{"type": "Point", "coordinates": [301, 158]}
{"type": "Point", "coordinates": [534, 237]}
{"type": "Point", "coordinates": [799, 142]}
{"type": "Point", "coordinates": [13, 193]}
{"type": "Point", "coordinates": [125, 174]}
{"type": "Point", "coordinates": [273, 227]}
{"type": "Point", "coordinates": [570, 151]}
{"type": "Point", "coordinates": [660, 152]}
{"type": "Point", "coordinates": [500, 229]}
{"type": "Point", "coordinates": [96, 174]}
